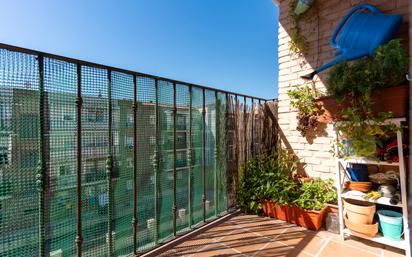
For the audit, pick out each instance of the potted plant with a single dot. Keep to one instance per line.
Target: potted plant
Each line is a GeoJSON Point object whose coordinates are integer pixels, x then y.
{"type": "Point", "coordinates": [310, 205]}
{"type": "Point", "coordinates": [258, 190]}
{"type": "Point", "coordinates": [377, 82]}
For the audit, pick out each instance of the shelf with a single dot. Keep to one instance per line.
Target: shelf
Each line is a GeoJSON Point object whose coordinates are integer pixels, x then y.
{"type": "Point", "coordinates": [380, 239]}
{"type": "Point", "coordinates": [365, 161]}
{"type": "Point", "coordinates": [357, 195]}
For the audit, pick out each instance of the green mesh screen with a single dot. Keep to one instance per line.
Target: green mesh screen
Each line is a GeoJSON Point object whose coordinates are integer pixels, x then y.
{"type": "Point", "coordinates": [165, 176]}
{"type": "Point", "coordinates": [197, 144]}
{"type": "Point", "coordinates": [122, 102]}
{"type": "Point", "coordinates": [210, 162]}
{"type": "Point", "coordinates": [60, 83]}
{"type": "Point", "coordinates": [182, 164]}
{"type": "Point", "coordinates": [232, 135]}
{"type": "Point", "coordinates": [95, 137]}
{"type": "Point", "coordinates": [146, 144]}
{"type": "Point", "coordinates": [222, 150]}
{"type": "Point", "coordinates": [19, 142]}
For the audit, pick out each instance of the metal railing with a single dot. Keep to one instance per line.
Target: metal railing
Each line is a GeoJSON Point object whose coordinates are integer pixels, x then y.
{"type": "Point", "coordinates": [121, 161]}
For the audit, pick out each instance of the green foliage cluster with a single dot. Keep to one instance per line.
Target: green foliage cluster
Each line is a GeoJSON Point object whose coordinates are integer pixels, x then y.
{"type": "Point", "coordinates": [357, 79]}
{"type": "Point", "coordinates": [354, 82]}
{"type": "Point", "coordinates": [262, 179]}
{"type": "Point", "coordinates": [315, 193]}
{"type": "Point", "coordinates": [303, 99]}
{"type": "Point", "coordinates": [273, 178]}
{"type": "Point", "coordinates": [298, 43]}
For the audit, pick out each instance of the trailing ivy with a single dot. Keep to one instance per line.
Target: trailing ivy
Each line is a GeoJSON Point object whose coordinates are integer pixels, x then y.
{"type": "Point", "coordinates": [297, 43]}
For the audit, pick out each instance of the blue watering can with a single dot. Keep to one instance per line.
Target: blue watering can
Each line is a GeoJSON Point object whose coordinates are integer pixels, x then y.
{"type": "Point", "coordinates": [362, 30]}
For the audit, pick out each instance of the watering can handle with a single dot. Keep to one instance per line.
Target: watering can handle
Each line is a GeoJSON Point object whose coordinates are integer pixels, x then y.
{"type": "Point", "coordinates": [369, 7]}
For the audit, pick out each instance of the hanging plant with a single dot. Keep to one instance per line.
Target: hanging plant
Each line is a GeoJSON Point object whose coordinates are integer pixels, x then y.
{"type": "Point", "coordinates": [303, 99]}
{"type": "Point", "coordinates": [298, 43]}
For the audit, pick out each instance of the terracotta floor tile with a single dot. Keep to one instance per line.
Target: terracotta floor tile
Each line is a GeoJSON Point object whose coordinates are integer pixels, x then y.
{"type": "Point", "coordinates": [292, 237]}
{"type": "Point", "coordinates": [249, 235]}
{"type": "Point", "coordinates": [334, 249]}
{"type": "Point", "coordinates": [246, 242]}
{"type": "Point", "coordinates": [311, 244]}
{"type": "Point", "coordinates": [274, 249]}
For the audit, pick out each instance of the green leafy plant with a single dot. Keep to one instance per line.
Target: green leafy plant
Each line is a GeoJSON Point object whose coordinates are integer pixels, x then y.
{"type": "Point", "coordinates": [360, 133]}
{"type": "Point", "coordinates": [387, 68]}
{"type": "Point", "coordinates": [303, 99]}
{"type": "Point", "coordinates": [266, 178]}
{"type": "Point", "coordinates": [353, 83]}
{"type": "Point", "coordinates": [298, 43]}
{"type": "Point", "coordinates": [315, 193]}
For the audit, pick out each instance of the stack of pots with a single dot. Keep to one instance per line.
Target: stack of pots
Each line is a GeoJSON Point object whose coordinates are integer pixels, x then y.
{"type": "Point", "coordinates": [359, 218]}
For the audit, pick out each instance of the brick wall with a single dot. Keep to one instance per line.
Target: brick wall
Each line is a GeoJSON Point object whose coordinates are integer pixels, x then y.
{"type": "Point", "coordinates": [324, 16]}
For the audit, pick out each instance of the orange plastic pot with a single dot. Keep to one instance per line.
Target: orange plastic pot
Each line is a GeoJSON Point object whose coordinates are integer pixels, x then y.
{"type": "Point", "coordinates": [392, 99]}
{"type": "Point", "coordinates": [282, 212]}
{"type": "Point", "coordinates": [310, 219]}
{"type": "Point", "coordinates": [268, 208]}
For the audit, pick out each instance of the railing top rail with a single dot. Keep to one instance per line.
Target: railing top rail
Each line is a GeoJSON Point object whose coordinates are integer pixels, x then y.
{"type": "Point", "coordinates": [102, 66]}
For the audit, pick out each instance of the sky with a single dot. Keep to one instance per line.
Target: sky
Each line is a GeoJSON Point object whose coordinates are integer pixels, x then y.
{"type": "Point", "coordinates": [225, 44]}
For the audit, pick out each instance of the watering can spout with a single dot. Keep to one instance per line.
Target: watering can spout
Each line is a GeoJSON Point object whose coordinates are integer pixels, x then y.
{"type": "Point", "coordinates": [309, 76]}
{"type": "Point", "coordinates": [354, 54]}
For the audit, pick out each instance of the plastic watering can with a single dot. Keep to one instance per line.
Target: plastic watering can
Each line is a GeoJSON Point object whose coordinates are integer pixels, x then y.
{"type": "Point", "coordinates": [361, 31]}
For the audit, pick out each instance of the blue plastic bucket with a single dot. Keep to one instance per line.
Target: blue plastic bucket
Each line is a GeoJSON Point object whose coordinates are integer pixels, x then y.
{"type": "Point", "coordinates": [358, 172]}
{"type": "Point", "coordinates": [390, 224]}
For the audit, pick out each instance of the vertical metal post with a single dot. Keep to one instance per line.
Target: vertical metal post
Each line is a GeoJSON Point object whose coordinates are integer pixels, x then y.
{"type": "Point", "coordinates": [189, 159]}
{"type": "Point", "coordinates": [135, 220]}
{"type": "Point", "coordinates": [204, 154]}
{"type": "Point", "coordinates": [41, 168]}
{"type": "Point", "coordinates": [109, 167]}
{"type": "Point", "coordinates": [245, 131]}
{"type": "Point", "coordinates": [253, 129]}
{"type": "Point", "coordinates": [216, 154]}
{"type": "Point", "coordinates": [174, 159]}
{"type": "Point", "coordinates": [79, 103]}
{"type": "Point", "coordinates": [260, 129]}
{"type": "Point", "coordinates": [156, 158]}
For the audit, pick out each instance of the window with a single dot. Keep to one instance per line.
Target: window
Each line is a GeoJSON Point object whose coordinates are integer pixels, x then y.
{"type": "Point", "coordinates": [4, 158]}
{"type": "Point", "coordinates": [64, 170]}
{"type": "Point", "coordinates": [95, 115]}
{"type": "Point", "coordinates": [129, 120]}
{"type": "Point", "coordinates": [152, 120]}
{"type": "Point", "coordinates": [5, 111]}
{"type": "Point", "coordinates": [128, 142]}
{"type": "Point", "coordinates": [29, 159]}
{"type": "Point", "coordinates": [68, 117]}
{"type": "Point", "coordinates": [29, 126]}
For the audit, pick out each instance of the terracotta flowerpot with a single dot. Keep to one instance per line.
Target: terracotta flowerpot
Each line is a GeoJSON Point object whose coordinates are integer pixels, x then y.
{"type": "Point", "coordinates": [359, 186]}
{"type": "Point", "coordinates": [331, 108]}
{"type": "Point", "coordinates": [393, 99]}
{"type": "Point", "coordinates": [268, 207]}
{"type": "Point", "coordinates": [310, 219]}
{"type": "Point", "coordinates": [369, 230]}
{"type": "Point", "coordinates": [359, 212]}
{"type": "Point", "coordinates": [282, 212]}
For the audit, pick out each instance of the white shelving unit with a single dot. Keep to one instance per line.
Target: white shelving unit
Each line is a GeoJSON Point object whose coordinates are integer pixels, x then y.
{"type": "Point", "coordinates": [342, 177]}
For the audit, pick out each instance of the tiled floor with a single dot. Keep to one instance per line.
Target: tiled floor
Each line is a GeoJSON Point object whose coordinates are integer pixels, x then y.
{"type": "Point", "coordinates": [249, 235]}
